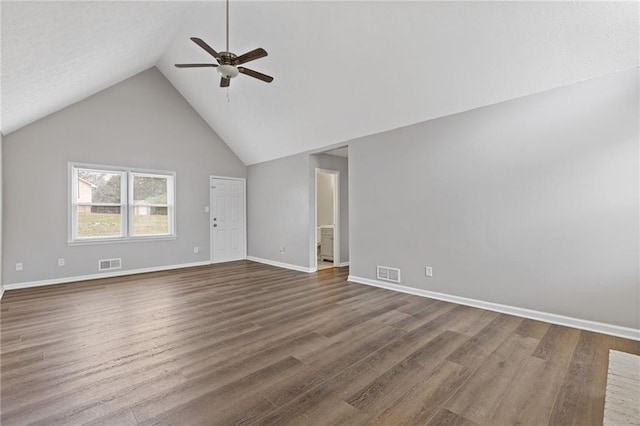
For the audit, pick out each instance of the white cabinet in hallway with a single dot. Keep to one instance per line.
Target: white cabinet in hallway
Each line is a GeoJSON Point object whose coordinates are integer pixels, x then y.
{"type": "Point", "coordinates": [326, 242]}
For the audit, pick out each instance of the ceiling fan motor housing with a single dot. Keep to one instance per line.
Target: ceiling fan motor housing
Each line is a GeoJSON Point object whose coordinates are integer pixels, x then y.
{"type": "Point", "coordinates": [227, 58]}
{"type": "Point", "coordinates": [226, 69]}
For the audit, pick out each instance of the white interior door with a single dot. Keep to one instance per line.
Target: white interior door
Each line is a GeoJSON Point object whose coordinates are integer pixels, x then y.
{"type": "Point", "coordinates": [227, 219]}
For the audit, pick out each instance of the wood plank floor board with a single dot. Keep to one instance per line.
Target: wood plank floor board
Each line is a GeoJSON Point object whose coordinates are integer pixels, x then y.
{"type": "Point", "coordinates": [344, 339]}
{"type": "Point", "coordinates": [474, 351]}
{"type": "Point", "coordinates": [557, 344]}
{"type": "Point", "coordinates": [541, 379]}
{"type": "Point", "coordinates": [532, 328]}
{"type": "Point", "coordinates": [94, 360]}
{"type": "Point", "coordinates": [257, 358]}
{"type": "Point", "coordinates": [474, 321]}
{"type": "Point", "coordinates": [92, 402]}
{"type": "Point", "coordinates": [299, 308]}
{"type": "Point", "coordinates": [447, 418]}
{"type": "Point", "coordinates": [364, 299]}
{"type": "Point", "coordinates": [275, 286]}
{"type": "Point", "coordinates": [415, 305]}
{"type": "Point", "coordinates": [422, 401]}
{"type": "Point", "coordinates": [479, 397]}
{"type": "Point", "coordinates": [316, 403]}
{"type": "Point", "coordinates": [208, 398]}
{"type": "Point", "coordinates": [122, 339]}
{"type": "Point", "coordinates": [625, 345]}
{"type": "Point", "coordinates": [323, 363]}
{"type": "Point", "coordinates": [416, 368]}
{"type": "Point", "coordinates": [426, 315]}
{"type": "Point", "coordinates": [580, 400]}
{"type": "Point", "coordinates": [213, 380]}
{"type": "Point", "coordinates": [284, 297]}
{"type": "Point", "coordinates": [301, 404]}
{"type": "Point", "coordinates": [121, 418]}
{"type": "Point", "coordinates": [246, 343]}
{"type": "Point", "coordinates": [59, 372]}
{"type": "Point", "coordinates": [359, 374]}
{"type": "Point", "coordinates": [352, 318]}
{"type": "Point", "coordinates": [90, 318]}
{"type": "Point", "coordinates": [160, 398]}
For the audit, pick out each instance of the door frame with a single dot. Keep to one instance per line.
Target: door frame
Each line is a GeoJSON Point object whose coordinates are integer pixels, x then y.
{"type": "Point", "coordinates": [336, 217]}
{"type": "Point", "coordinates": [244, 215]}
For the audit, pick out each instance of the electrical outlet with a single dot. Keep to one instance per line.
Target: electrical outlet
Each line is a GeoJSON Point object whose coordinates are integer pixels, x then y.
{"type": "Point", "coordinates": [206, 209]}
{"type": "Point", "coordinates": [282, 250]}
{"type": "Point", "coordinates": [61, 261]}
{"type": "Point", "coordinates": [196, 250]}
{"type": "Point", "coordinates": [428, 271]}
{"type": "Point", "coordinates": [18, 266]}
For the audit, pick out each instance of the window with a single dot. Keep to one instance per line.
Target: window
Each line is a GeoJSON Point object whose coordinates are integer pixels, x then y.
{"type": "Point", "coordinates": [120, 204]}
{"type": "Point", "coordinates": [151, 194]}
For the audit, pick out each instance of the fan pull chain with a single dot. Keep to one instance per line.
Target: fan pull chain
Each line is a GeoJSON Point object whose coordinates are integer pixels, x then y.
{"type": "Point", "coordinates": [228, 98]}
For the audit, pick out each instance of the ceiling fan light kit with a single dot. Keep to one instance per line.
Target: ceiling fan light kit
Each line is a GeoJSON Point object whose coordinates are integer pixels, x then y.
{"type": "Point", "coordinates": [228, 62]}
{"type": "Point", "coordinates": [227, 71]}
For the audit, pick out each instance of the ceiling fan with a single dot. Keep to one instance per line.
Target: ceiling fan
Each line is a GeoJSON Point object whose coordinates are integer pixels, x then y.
{"type": "Point", "coordinates": [228, 63]}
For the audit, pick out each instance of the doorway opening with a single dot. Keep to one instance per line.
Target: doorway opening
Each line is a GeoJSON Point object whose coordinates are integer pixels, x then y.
{"type": "Point", "coordinates": [327, 218]}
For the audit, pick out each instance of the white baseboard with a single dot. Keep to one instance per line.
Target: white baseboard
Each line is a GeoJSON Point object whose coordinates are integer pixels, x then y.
{"type": "Point", "coordinates": [282, 265]}
{"type": "Point", "coordinates": [598, 327]}
{"type": "Point", "coordinates": [1, 291]}
{"type": "Point", "coordinates": [119, 273]}
{"type": "Point", "coordinates": [343, 264]}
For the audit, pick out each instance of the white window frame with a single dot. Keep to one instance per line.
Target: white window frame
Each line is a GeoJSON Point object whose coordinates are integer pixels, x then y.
{"type": "Point", "coordinates": [75, 204]}
{"type": "Point", "coordinates": [126, 204]}
{"type": "Point", "coordinates": [170, 201]}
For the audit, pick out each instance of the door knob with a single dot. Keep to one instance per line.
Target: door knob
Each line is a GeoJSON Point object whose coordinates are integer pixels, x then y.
{"type": "Point", "coordinates": [215, 225]}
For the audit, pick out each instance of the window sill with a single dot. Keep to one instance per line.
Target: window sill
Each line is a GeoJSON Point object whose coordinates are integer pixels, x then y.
{"type": "Point", "coordinates": [121, 240]}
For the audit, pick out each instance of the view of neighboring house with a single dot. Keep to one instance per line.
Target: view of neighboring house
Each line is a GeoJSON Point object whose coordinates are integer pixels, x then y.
{"type": "Point", "coordinates": [141, 208]}
{"type": "Point", "coordinates": [85, 194]}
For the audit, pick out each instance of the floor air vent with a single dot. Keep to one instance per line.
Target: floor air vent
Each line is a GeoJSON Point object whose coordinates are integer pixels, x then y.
{"type": "Point", "coordinates": [107, 264]}
{"type": "Point", "coordinates": [389, 274]}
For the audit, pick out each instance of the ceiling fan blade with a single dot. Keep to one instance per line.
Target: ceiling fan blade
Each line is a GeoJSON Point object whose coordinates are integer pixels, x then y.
{"type": "Point", "coordinates": [255, 74]}
{"type": "Point", "coordinates": [195, 65]}
{"type": "Point", "coordinates": [224, 82]}
{"type": "Point", "coordinates": [206, 47]}
{"type": "Point", "coordinates": [251, 56]}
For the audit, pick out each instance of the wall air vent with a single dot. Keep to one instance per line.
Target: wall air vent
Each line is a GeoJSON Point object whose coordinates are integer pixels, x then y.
{"type": "Point", "coordinates": [389, 274]}
{"type": "Point", "coordinates": [108, 264]}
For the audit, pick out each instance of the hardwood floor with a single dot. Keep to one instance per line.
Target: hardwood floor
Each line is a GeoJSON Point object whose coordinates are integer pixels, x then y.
{"type": "Point", "coordinates": [245, 343]}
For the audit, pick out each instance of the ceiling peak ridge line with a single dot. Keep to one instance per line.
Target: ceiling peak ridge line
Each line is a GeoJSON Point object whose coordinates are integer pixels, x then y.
{"type": "Point", "coordinates": [227, 62]}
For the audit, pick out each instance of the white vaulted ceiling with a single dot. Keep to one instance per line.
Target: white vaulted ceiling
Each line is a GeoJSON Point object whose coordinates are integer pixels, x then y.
{"type": "Point", "coordinates": [342, 69]}
{"type": "Point", "coordinates": [57, 53]}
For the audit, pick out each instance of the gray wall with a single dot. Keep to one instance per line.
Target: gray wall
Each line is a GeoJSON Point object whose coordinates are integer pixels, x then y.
{"type": "Point", "coordinates": [530, 203]}
{"type": "Point", "coordinates": [1, 280]}
{"type": "Point", "coordinates": [340, 164]}
{"type": "Point", "coordinates": [142, 122]}
{"type": "Point", "coordinates": [278, 210]}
